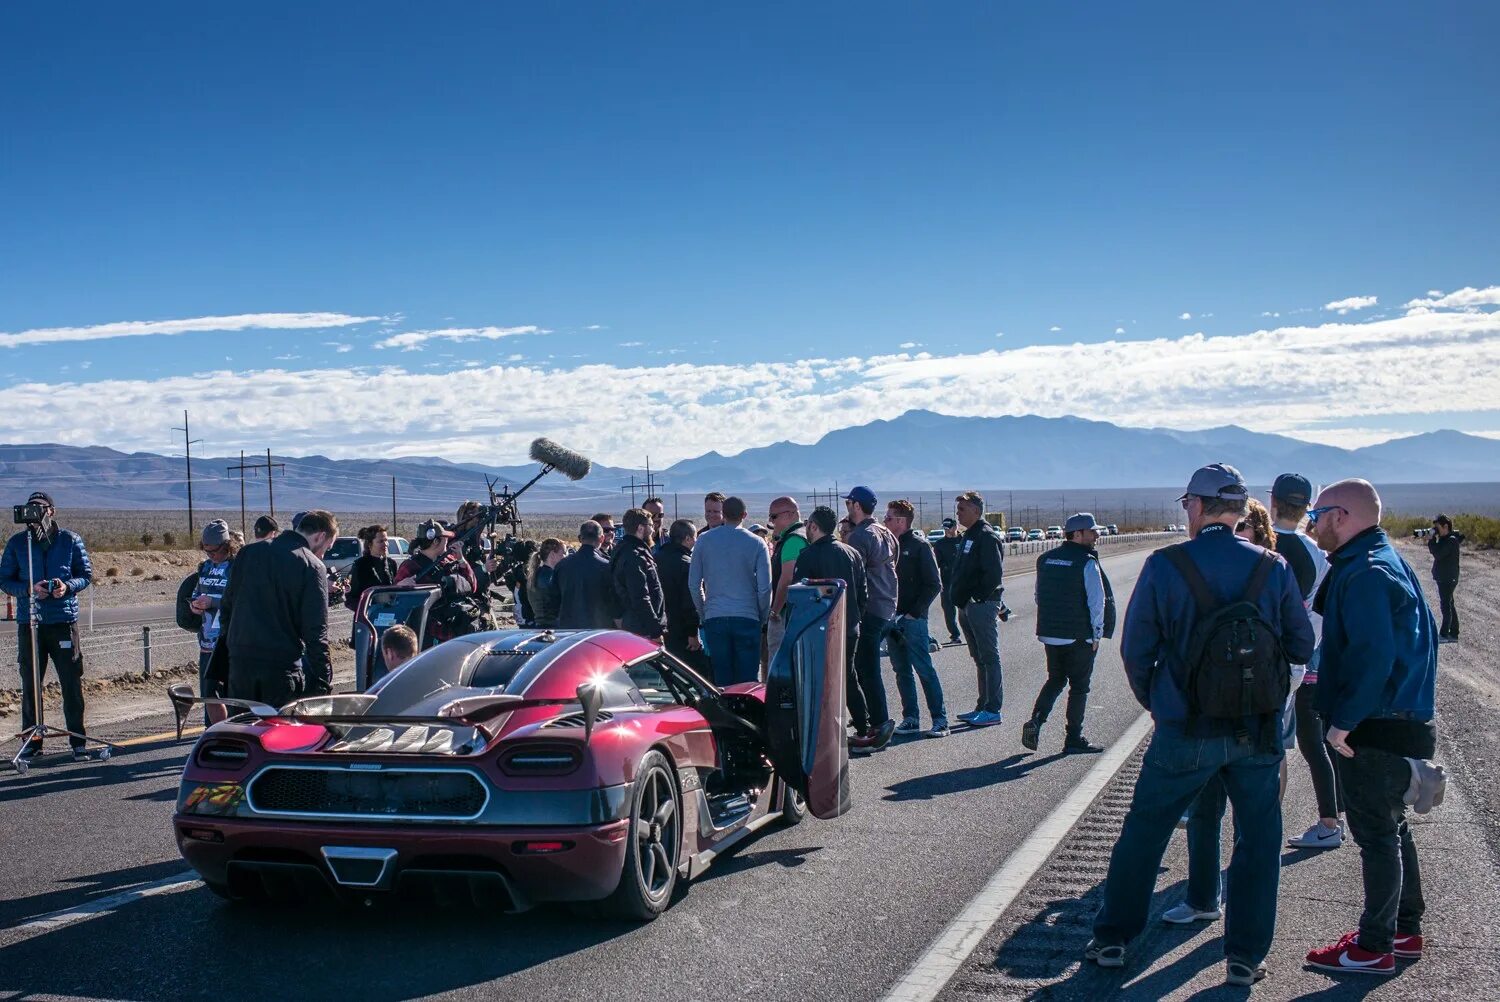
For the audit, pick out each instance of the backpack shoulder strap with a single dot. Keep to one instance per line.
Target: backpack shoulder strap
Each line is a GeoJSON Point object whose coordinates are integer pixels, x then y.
{"type": "Point", "coordinates": [1258, 577]}
{"type": "Point", "coordinates": [1202, 595]}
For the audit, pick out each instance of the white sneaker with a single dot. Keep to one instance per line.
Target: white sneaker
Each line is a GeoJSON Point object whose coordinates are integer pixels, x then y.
{"type": "Point", "coordinates": [939, 730]}
{"type": "Point", "coordinates": [1318, 837]}
{"type": "Point", "coordinates": [1185, 913]}
{"type": "Point", "coordinates": [908, 725]}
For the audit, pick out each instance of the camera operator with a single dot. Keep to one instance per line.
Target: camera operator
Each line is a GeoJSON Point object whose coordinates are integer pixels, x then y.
{"type": "Point", "coordinates": [481, 562]}
{"type": "Point", "coordinates": [1444, 545]}
{"type": "Point", "coordinates": [274, 614]}
{"type": "Point", "coordinates": [434, 562]}
{"type": "Point", "coordinates": [60, 569]}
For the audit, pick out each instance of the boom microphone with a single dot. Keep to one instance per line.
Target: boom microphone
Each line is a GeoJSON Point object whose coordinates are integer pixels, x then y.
{"type": "Point", "coordinates": [567, 462]}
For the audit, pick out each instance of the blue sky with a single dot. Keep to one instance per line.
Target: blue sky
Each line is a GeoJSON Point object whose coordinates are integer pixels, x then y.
{"type": "Point", "coordinates": [744, 193]}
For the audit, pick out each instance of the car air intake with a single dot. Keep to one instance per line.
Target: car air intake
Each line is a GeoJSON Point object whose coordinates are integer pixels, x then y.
{"type": "Point", "coordinates": [376, 794]}
{"type": "Point", "coordinates": [576, 719]}
{"type": "Point", "coordinates": [223, 753]}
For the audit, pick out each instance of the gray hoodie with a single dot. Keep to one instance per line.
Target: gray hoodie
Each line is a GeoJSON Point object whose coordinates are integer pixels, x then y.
{"type": "Point", "coordinates": [878, 546]}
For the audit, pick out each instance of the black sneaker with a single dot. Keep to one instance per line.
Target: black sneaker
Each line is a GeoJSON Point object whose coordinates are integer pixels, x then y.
{"type": "Point", "coordinates": [882, 735]}
{"type": "Point", "coordinates": [1081, 746]}
{"type": "Point", "coordinates": [1031, 733]}
{"type": "Point", "coordinates": [955, 639]}
{"type": "Point", "coordinates": [81, 755]}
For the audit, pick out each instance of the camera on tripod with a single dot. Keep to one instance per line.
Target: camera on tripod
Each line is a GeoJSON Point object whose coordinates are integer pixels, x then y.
{"type": "Point", "coordinates": [30, 513]}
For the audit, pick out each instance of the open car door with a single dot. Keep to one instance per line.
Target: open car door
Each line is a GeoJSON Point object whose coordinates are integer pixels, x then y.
{"type": "Point", "coordinates": [806, 737]}
{"type": "Point", "coordinates": [381, 608]}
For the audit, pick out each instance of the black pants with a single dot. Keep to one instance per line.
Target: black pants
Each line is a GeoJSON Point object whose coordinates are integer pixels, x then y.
{"type": "Point", "coordinates": [676, 645]}
{"type": "Point", "coordinates": [59, 643]}
{"type": "Point", "coordinates": [1311, 742]}
{"type": "Point", "coordinates": [854, 695]}
{"type": "Point", "coordinates": [1449, 608]}
{"type": "Point", "coordinates": [1070, 665]}
{"type": "Point", "coordinates": [1373, 784]}
{"type": "Point", "coordinates": [950, 615]}
{"type": "Point", "coordinates": [269, 682]}
{"type": "Point", "coordinates": [867, 668]}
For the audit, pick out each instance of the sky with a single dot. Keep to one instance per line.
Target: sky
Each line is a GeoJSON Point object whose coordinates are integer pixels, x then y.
{"type": "Point", "coordinates": [666, 228]}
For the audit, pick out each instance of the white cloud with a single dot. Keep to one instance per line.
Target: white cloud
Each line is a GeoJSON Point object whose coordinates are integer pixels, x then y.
{"type": "Point", "coordinates": [342, 348]}
{"type": "Point", "coordinates": [1290, 380]}
{"type": "Point", "coordinates": [141, 328]}
{"type": "Point", "coordinates": [1343, 306]}
{"type": "Point", "coordinates": [1464, 298]}
{"type": "Point", "coordinates": [631, 344]}
{"type": "Point", "coordinates": [1269, 313]}
{"type": "Point", "coordinates": [999, 333]}
{"type": "Point", "coordinates": [1054, 329]}
{"type": "Point", "coordinates": [593, 327]}
{"type": "Point", "coordinates": [1119, 330]}
{"type": "Point", "coordinates": [1184, 316]}
{"type": "Point", "coordinates": [413, 340]}
{"type": "Point", "coordinates": [908, 344]}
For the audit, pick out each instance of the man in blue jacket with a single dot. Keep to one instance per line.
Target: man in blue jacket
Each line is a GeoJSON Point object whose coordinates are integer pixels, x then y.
{"type": "Point", "coordinates": [1189, 751]}
{"type": "Point", "coordinates": [1376, 690]}
{"type": "Point", "coordinates": [60, 569]}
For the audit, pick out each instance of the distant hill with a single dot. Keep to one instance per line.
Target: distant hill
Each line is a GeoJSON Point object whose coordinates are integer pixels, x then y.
{"type": "Point", "coordinates": [917, 450]}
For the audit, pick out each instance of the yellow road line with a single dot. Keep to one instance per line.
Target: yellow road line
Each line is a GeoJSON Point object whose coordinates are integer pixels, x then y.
{"type": "Point", "coordinates": [163, 736]}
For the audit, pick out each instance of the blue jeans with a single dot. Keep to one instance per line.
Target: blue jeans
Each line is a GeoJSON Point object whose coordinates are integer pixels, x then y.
{"type": "Point", "coordinates": [1175, 771]}
{"type": "Point", "coordinates": [915, 656]}
{"type": "Point", "coordinates": [733, 644]}
{"type": "Point", "coordinates": [1205, 822]}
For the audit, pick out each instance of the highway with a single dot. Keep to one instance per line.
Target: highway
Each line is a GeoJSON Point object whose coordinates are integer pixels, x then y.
{"type": "Point", "coordinates": [839, 909]}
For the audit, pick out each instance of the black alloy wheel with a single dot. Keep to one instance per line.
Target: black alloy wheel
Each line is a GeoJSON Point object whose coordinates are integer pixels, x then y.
{"type": "Point", "coordinates": [793, 806]}
{"type": "Point", "coordinates": [654, 844]}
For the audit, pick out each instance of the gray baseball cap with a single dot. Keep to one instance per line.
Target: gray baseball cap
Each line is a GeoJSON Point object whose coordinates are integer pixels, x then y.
{"type": "Point", "coordinates": [215, 533]}
{"type": "Point", "coordinates": [1079, 522]}
{"type": "Point", "coordinates": [1217, 480]}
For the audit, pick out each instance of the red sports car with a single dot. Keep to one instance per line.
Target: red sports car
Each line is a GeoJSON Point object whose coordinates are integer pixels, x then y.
{"type": "Point", "coordinates": [519, 766]}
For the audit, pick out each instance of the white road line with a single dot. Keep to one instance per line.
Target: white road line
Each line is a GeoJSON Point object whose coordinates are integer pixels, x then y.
{"type": "Point", "coordinates": [103, 906]}
{"type": "Point", "coordinates": [926, 978]}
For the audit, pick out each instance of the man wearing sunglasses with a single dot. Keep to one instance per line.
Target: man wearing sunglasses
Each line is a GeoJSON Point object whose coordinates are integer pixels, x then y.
{"type": "Point", "coordinates": [1376, 691]}
{"type": "Point", "coordinates": [1185, 596]}
{"type": "Point", "coordinates": [788, 540]}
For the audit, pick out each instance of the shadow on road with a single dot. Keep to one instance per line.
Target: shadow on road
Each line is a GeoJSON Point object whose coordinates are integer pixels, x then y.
{"type": "Point", "coordinates": [81, 890]}
{"type": "Point", "coordinates": [971, 778]}
{"type": "Point", "coordinates": [63, 776]}
{"type": "Point", "coordinates": [190, 945]}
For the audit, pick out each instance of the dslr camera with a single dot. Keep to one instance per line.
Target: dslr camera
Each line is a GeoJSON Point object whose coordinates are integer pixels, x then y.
{"type": "Point", "coordinates": [31, 513]}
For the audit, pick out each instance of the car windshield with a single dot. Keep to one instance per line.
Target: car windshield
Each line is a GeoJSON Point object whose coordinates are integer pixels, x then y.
{"type": "Point", "coordinates": [395, 547]}
{"type": "Point", "coordinates": [343, 548]}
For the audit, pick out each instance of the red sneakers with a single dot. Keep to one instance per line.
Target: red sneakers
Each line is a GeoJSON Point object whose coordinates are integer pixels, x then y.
{"type": "Point", "coordinates": [1348, 956]}
{"type": "Point", "coordinates": [1408, 947]}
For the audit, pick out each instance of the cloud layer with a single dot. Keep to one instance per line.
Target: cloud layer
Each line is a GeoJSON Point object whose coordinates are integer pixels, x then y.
{"type": "Point", "coordinates": [1343, 306]}
{"type": "Point", "coordinates": [1290, 380]}
{"type": "Point", "coordinates": [141, 328]}
{"type": "Point", "coordinates": [413, 340]}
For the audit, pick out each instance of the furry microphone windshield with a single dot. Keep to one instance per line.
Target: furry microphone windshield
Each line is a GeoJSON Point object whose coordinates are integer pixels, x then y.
{"type": "Point", "coordinates": [567, 462]}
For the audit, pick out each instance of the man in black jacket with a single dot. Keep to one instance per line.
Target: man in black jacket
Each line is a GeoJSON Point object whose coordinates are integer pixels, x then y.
{"type": "Point", "coordinates": [826, 559]}
{"type": "Point", "coordinates": [638, 593]}
{"type": "Point", "coordinates": [917, 584]}
{"type": "Point", "coordinates": [585, 587]}
{"type": "Point", "coordinates": [274, 614]}
{"type": "Point", "coordinates": [946, 551]}
{"type": "Point", "coordinates": [674, 558]}
{"type": "Point", "coordinates": [1075, 609]}
{"type": "Point", "coordinates": [975, 589]}
{"type": "Point", "coordinates": [1444, 545]}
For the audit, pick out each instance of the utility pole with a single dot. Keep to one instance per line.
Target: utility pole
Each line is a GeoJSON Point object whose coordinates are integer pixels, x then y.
{"type": "Point", "coordinates": [941, 506]}
{"type": "Point", "coordinates": [243, 531]}
{"type": "Point", "coordinates": [921, 515]}
{"type": "Point", "coordinates": [650, 486]}
{"type": "Point", "coordinates": [394, 530]}
{"type": "Point", "coordinates": [187, 448]}
{"type": "Point", "coordinates": [1010, 504]}
{"type": "Point", "coordinates": [270, 469]}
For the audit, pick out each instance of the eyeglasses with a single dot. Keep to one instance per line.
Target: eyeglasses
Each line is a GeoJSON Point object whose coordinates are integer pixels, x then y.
{"type": "Point", "coordinates": [778, 514]}
{"type": "Point", "coordinates": [1313, 514]}
{"type": "Point", "coordinates": [1241, 525]}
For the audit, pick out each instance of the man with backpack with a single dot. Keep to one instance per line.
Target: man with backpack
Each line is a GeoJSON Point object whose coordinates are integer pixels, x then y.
{"type": "Point", "coordinates": [1211, 630]}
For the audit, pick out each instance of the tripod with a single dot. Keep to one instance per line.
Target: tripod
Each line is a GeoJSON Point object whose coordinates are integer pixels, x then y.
{"type": "Point", "coordinates": [41, 731]}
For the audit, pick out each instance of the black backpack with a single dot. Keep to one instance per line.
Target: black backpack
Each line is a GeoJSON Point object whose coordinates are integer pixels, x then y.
{"type": "Point", "coordinates": [1236, 668]}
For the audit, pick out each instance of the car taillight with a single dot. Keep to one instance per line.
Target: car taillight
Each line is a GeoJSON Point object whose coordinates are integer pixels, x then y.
{"type": "Point", "coordinates": [541, 760]}
{"type": "Point", "coordinates": [540, 847]}
{"type": "Point", "coordinates": [223, 753]}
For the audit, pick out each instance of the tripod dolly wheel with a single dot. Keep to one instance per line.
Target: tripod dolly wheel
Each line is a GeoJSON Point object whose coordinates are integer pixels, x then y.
{"type": "Point", "coordinates": [104, 754]}
{"type": "Point", "coordinates": [21, 766]}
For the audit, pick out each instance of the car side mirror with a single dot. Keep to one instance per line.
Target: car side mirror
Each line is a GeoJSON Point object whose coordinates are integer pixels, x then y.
{"type": "Point", "coordinates": [591, 698]}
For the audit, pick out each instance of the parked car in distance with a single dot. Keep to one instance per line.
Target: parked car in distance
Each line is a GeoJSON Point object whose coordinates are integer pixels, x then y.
{"type": "Point", "coordinates": [1054, 532]}
{"type": "Point", "coordinates": [344, 550]}
{"type": "Point", "coordinates": [1015, 534]}
{"type": "Point", "coordinates": [933, 535]}
{"type": "Point", "coordinates": [1114, 530]}
{"type": "Point", "coordinates": [1034, 534]}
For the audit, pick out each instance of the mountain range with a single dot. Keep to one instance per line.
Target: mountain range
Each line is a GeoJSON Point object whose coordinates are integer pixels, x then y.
{"type": "Point", "coordinates": [915, 451]}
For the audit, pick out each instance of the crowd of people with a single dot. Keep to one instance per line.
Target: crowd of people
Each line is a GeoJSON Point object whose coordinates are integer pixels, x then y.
{"type": "Point", "coordinates": [1296, 624]}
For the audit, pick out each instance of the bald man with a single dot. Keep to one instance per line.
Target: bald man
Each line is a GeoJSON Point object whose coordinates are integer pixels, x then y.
{"type": "Point", "coordinates": [788, 540]}
{"type": "Point", "coordinates": [1376, 692]}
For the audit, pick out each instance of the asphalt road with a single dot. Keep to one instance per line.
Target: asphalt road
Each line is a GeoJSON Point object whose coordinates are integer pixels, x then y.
{"type": "Point", "coordinates": [834, 909]}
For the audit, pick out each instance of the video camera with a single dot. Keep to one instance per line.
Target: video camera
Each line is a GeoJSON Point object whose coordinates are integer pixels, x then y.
{"type": "Point", "coordinates": [30, 513]}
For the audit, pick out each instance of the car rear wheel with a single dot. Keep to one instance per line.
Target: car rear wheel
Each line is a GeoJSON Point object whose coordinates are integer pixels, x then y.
{"type": "Point", "coordinates": [793, 807]}
{"type": "Point", "coordinates": [653, 846]}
